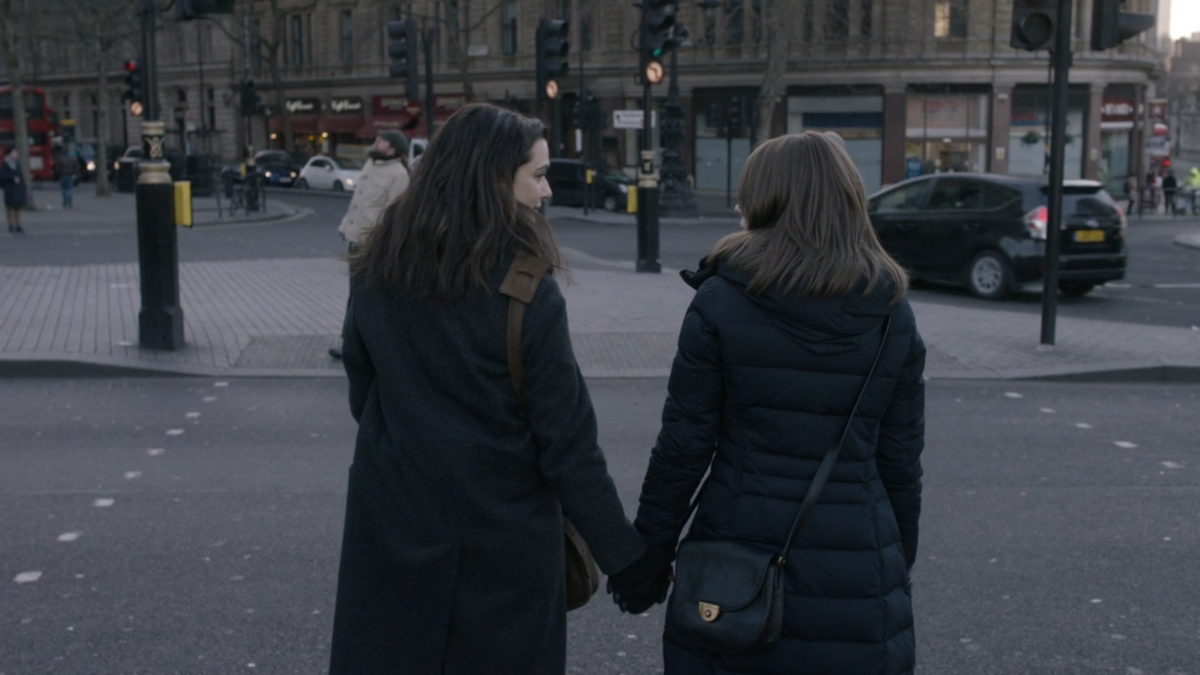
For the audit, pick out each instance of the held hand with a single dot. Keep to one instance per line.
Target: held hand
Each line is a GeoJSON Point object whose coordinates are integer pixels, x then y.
{"type": "Point", "coordinates": [643, 584]}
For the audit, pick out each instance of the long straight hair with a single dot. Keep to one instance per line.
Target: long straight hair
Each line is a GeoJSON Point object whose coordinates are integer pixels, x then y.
{"type": "Point", "coordinates": [459, 216]}
{"type": "Point", "coordinates": [807, 231]}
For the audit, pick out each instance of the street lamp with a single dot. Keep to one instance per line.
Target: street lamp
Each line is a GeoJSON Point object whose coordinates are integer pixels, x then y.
{"type": "Point", "coordinates": [676, 198]}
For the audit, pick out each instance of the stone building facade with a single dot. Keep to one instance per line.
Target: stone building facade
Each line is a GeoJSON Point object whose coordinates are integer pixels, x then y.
{"type": "Point", "coordinates": [913, 85]}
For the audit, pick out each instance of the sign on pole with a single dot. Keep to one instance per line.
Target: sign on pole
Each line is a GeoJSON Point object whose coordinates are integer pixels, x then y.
{"type": "Point", "coordinates": [632, 119]}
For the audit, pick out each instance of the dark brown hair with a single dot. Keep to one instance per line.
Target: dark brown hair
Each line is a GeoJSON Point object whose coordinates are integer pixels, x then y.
{"type": "Point", "coordinates": [459, 217]}
{"type": "Point", "coordinates": [807, 225]}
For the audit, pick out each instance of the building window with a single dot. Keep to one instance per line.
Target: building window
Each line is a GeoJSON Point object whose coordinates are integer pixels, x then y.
{"type": "Point", "coordinates": [810, 17]}
{"type": "Point", "coordinates": [508, 27]}
{"type": "Point", "coordinates": [950, 19]}
{"type": "Point", "coordinates": [864, 29]}
{"type": "Point", "coordinates": [837, 20]}
{"type": "Point", "coordinates": [204, 36]}
{"type": "Point", "coordinates": [585, 25]}
{"type": "Point", "coordinates": [758, 21]}
{"type": "Point", "coordinates": [347, 32]}
{"type": "Point", "coordinates": [735, 22]}
{"type": "Point", "coordinates": [298, 41]}
{"type": "Point", "coordinates": [453, 27]}
{"type": "Point", "coordinates": [256, 45]}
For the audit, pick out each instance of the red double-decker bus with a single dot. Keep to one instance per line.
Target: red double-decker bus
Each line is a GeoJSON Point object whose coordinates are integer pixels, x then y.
{"type": "Point", "coordinates": [42, 125]}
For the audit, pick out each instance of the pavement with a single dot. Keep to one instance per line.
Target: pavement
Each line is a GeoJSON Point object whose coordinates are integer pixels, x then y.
{"type": "Point", "coordinates": [277, 318]}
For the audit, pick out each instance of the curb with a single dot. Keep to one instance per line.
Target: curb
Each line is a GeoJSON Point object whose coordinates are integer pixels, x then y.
{"type": "Point", "coordinates": [309, 193]}
{"type": "Point", "coordinates": [1188, 240]}
{"type": "Point", "coordinates": [288, 211]}
{"type": "Point", "coordinates": [95, 367]}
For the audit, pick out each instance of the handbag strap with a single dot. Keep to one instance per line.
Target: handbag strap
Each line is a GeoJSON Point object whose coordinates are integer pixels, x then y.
{"type": "Point", "coordinates": [520, 285]}
{"type": "Point", "coordinates": [826, 468]}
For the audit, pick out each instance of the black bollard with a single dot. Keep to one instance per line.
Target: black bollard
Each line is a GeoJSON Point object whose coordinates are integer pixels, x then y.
{"type": "Point", "coordinates": [160, 320]}
{"type": "Point", "coordinates": [647, 216]}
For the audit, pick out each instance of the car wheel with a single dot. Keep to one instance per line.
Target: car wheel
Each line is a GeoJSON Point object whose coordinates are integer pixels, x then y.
{"type": "Point", "coordinates": [337, 186]}
{"type": "Point", "coordinates": [302, 184]}
{"type": "Point", "coordinates": [988, 276]}
{"type": "Point", "coordinates": [610, 203]}
{"type": "Point", "coordinates": [1075, 289]}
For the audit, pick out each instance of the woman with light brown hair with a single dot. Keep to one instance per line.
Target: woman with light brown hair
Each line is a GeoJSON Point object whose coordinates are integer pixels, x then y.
{"type": "Point", "coordinates": [798, 350]}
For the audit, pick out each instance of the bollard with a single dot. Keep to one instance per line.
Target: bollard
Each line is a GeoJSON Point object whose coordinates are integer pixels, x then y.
{"type": "Point", "coordinates": [183, 203]}
{"type": "Point", "coordinates": [160, 319]}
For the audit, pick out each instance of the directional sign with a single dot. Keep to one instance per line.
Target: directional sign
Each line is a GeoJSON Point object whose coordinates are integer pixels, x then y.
{"type": "Point", "coordinates": [632, 119]}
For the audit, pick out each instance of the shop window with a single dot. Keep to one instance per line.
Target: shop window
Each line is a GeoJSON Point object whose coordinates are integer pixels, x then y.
{"type": "Point", "coordinates": [347, 37]}
{"type": "Point", "coordinates": [955, 194]}
{"type": "Point", "coordinates": [950, 19]}
{"type": "Point", "coordinates": [837, 20]}
{"type": "Point", "coordinates": [508, 27]}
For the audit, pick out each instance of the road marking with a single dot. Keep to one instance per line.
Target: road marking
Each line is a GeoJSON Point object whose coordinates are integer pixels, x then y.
{"type": "Point", "coordinates": [1096, 601]}
{"type": "Point", "coordinates": [1125, 444]}
{"type": "Point", "coordinates": [174, 432]}
{"type": "Point", "coordinates": [69, 536]}
{"type": "Point", "coordinates": [192, 415]}
{"type": "Point", "coordinates": [220, 384]}
{"type": "Point", "coordinates": [1172, 465]}
{"type": "Point", "coordinates": [27, 577]}
{"type": "Point", "coordinates": [155, 452]}
{"type": "Point", "coordinates": [209, 399]}
{"type": "Point", "coordinates": [1013, 394]}
{"type": "Point", "coordinates": [1049, 411]}
{"type": "Point", "coordinates": [1176, 285]}
{"type": "Point", "coordinates": [103, 502]}
{"type": "Point", "coordinates": [1083, 425]}
{"type": "Point", "coordinates": [130, 475]}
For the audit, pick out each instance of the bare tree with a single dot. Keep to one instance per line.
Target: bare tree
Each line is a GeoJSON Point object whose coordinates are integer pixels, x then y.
{"type": "Point", "coordinates": [13, 22]}
{"type": "Point", "coordinates": [99, 27]}
{"type": "Point", "coordinates": [458, 34]}
{"type": "Point", "coordinates": [777, 18]}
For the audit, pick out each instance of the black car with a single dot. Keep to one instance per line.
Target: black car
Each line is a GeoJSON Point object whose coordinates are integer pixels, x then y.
{"type": "Point", "coordinates": [988, 232]}
{"type": "Point", "coordinates": [277, 167]}
{"type": "Point", "coordinates": [568, 181]}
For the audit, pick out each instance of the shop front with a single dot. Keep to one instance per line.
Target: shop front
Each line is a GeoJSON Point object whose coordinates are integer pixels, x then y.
{"type": "Point", "coordinates": [398, 113]}
{"type": "Point", "coordinates": [1117, 116]}
{"type": "Point", "coordinates": [1029, 132]}
{"type": "Point", "coordinates": [305, 114]}
{"type": "Point", "coordinates": [946, 129]}
{"type": "Point", "coordinates": [339, 125]}
{"type": "Point", "coordinates": [856, 116]}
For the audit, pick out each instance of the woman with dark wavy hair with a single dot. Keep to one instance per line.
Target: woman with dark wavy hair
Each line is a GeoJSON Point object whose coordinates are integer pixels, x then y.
{"type": "Point", "coordinates": [452, 554]}
{"type": "Point", "coordinates": [788, 317]}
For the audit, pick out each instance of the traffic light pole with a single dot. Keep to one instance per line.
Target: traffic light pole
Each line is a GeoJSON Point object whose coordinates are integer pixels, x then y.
{"type": "Point", "coordinates": [1061, 56]}
{"type": "Point", "coordinates": [160, 319]}
{"type": "Point", "coordinates": [647, 213]}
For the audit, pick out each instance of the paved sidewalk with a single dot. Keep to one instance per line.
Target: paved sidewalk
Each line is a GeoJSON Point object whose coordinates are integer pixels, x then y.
{"type": "Point", "coordinates": [278, 317]}
{"type": "Point", "coordinates": [119, 211]}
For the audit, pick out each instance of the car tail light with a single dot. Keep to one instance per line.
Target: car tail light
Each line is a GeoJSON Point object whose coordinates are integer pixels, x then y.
{"type": "Point", "coordinates": [1036, 221]}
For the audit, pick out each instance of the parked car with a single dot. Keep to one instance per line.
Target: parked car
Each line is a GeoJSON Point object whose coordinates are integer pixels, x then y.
{"type": "Point", "coordinates": [568, 182]}
{"type": "Point", "coordinates": [277, 167]}
{"type": "Point", "coordinates": [988, 232]}
{"type": "Point", "coordinates": [329, 173]}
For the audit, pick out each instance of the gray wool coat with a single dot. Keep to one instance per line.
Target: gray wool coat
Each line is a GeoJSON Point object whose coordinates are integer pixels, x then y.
{"type": "Point", "coordinates": [452, 554]}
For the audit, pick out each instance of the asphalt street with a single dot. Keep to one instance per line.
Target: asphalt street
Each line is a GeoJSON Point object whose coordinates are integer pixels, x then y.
{"type": "Point", "coordinates": [192, 526]}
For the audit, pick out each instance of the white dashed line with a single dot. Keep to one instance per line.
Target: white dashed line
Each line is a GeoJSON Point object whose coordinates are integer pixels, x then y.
{"type": "Point", "coordinates": [220, 384]}
{"type": "Point", "coordinates": [1096, 601]}
{"type": "Point", "coordinates": [1049, 411]}
{"type": "Point", "coordinates": [103, 502]}
{"type": "Point", "coordinates": [155, 452]}
{"type": "Point", "coordinates": [192, 415]}
{"type": "Point", "coordinates": [1013, 394]}
{"type": "Point", "coordinates": [1172, 465]}
{"type": "Point", "coordinates": [69, 536]}
{"type": "Point", "coordinates": [1125, 444]}
{"type": "Point", "coordinates": [27, 577]}
{"type": "Point", "coordinates": [1083, 425]}
{"type": "Point", "coordinates": [174, 432]}
{"type": "Point", "coordinates": [131, 475]}
{"type": "Point", "coordinates": [125, 343]}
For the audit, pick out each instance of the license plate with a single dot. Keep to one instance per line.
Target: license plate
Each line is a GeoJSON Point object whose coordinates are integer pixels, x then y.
{"type": "Point", "coordinates": [1089, 235]}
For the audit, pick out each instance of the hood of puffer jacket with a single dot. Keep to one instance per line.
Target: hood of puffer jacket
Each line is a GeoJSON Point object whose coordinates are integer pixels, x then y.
{"type": "Point", "coordinates": [822, 326]}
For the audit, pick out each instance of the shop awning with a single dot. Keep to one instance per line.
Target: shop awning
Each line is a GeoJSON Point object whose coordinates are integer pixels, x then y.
{"type": "Point", "coordinates": [301, 124]}
{"type": "Point", "coordinates": [378, 123]}
{"type": "Point", "coordinates": [341, 124]}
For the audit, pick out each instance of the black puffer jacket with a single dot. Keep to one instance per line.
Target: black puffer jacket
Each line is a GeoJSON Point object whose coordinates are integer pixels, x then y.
{"type": "Point", "coordinates": [768, 383]}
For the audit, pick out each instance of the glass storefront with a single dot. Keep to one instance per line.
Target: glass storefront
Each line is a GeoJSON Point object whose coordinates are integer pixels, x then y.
{"type": "Point", "coordinates": [946, 132]}
{"type": "Point", "coordinates": [1029, 132]}
{"type": "Point", "coordinates": [857, 119]}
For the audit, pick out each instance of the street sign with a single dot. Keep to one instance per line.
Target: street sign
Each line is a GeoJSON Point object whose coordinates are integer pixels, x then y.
{"type": "Point", "coordinates": [632, 119]}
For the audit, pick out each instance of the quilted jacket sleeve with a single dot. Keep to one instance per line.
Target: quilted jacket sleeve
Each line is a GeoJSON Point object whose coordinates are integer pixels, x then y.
{"type": "Point", "coordinates": [901, 440]}
{"type": "Point", "coordinates": [690, 423]}
{"type": "Point", "coordinates": [564, 425]}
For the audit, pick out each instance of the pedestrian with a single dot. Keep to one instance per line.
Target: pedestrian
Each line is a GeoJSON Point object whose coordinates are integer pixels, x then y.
{"type": "Point", "coordinates": [452, 554]}
{"type": "Point", "coordinates": [1131, 192]}
{"type": "Point", "coordinates": [16, 193]}
{"type": "Point", "coordinates": [1193, 186]}
{"type": "Point", "coordinates": [68, 167]}
{"type": "Point", "coordinates": [788, 316]}
{"type": "Point", "coordinates": [1170, 187]}
{"type": "Point", "coordinates": [1150, 193]}
{"type": "Point", "coordinates": [384, 178]}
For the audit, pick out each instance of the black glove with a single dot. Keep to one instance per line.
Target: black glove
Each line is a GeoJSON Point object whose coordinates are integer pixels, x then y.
{"type": "Point", "coordinates": [645, 583]}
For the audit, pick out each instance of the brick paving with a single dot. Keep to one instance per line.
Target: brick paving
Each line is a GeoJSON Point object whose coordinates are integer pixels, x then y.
{"type": "Point", "coordinates": [277, 317]}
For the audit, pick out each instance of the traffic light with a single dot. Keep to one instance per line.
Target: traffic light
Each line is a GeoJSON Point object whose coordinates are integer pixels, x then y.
{"type": "Point", "coordinates": [1111, 26]}
{"type": "Point", "coordinates": [1034, 24]}
{"type": "Point", "coordinates": [402, 48]}
{"type": "Point", "coordinates": [733, 118]}
{"type": "Point", "coordinates": [135, 87]}
{"type": "Point", "coordinates": [658, 37]}
{"type": "Point", "coordinates": [552, 49]}
{"type": "Point", "coordinates": [251, 99]}
{"type": "Point", "coordinates": [186, 10]}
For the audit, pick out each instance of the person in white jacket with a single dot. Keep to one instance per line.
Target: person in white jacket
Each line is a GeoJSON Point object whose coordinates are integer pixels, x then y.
{"type": "Point", "coordinates": [384, 178]}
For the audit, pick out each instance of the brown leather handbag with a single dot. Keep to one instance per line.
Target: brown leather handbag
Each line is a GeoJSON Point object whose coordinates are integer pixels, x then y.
{"type": "Point", "coordinates": [520, 285]}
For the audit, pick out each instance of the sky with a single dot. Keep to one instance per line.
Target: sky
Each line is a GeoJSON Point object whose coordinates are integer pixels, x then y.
{"type": "Point", "coordinates": [1185, 18]}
